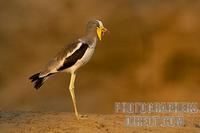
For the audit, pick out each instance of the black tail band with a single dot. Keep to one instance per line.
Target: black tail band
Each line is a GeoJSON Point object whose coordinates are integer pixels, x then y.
{"type": "Point", "coordinates": [38, 82]}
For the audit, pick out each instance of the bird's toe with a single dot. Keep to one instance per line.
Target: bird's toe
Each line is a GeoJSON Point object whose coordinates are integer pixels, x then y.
{"type": "Point", "coordinates": [83, 117]}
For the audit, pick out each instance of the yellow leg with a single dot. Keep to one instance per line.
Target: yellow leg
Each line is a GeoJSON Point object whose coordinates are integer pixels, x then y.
{"type": "Point", "coordinates": [71, 89]}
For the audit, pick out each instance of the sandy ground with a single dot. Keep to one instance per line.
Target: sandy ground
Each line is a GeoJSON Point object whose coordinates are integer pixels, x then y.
{"type": "Point", "coordinates": [62, 122]}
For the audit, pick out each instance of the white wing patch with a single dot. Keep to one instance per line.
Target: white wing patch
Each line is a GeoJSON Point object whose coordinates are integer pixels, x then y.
{"type": "Point", "coordinates": [77, 47]}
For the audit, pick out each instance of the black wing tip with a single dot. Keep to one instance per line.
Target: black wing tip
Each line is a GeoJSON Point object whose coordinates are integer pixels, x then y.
{"type": "Point", "coordinates": [38, 82]}
{"type": "Point", "coordinates": [34, 77]}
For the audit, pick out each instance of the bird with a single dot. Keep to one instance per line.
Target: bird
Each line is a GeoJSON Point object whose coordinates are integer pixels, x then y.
{"type": "Point", "coordinates": [71, 58]}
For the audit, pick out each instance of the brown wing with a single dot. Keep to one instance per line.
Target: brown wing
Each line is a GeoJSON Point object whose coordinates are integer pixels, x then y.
{"type": "Point", "coordinates": [58, 60]}
{"type": "Point", "coordinates": [73, 58]}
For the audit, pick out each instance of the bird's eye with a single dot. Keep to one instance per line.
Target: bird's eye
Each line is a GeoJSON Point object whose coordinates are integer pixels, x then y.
{"type": "Point", "coordinates": [97, 24]}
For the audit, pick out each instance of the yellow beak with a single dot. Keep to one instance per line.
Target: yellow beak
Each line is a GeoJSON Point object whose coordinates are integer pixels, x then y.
{"type": "Point", "coordinates": [100, 30]}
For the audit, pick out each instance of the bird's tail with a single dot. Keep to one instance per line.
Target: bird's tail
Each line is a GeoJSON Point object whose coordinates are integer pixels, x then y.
{"type": "Point", "coordinates": [38, 81]}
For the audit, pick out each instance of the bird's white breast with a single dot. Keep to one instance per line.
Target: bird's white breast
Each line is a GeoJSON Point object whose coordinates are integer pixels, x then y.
{"type": "Point", "coordinates": [86, 57]}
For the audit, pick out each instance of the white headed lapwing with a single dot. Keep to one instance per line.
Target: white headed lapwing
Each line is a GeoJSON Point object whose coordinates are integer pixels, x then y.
{"type": "Point", "coordinates": [72, 57]}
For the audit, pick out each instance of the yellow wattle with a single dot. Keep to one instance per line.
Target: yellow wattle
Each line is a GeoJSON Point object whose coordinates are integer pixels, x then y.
{"type": "Point", "coordinates": [99, 33]}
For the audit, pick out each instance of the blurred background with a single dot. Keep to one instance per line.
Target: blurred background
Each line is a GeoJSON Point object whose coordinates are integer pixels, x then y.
{"type": "Point", "coordinates": [151, 54]}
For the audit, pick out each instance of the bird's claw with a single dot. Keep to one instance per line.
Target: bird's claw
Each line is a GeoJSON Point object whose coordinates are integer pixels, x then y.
{"type": "Point", "coordinates": [82, 117]}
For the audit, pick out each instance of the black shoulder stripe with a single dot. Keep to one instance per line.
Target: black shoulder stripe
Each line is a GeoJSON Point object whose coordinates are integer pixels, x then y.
{"type": "Point", "coordinates": [72, 59]}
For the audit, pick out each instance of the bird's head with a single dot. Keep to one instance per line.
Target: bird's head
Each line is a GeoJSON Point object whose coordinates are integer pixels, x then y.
{"type": "Point", "coordinates": [96, 27]}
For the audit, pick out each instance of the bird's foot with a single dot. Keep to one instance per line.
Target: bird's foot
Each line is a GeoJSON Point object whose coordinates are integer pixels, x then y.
{"type": "Point", "coordinates": [82, 117]}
